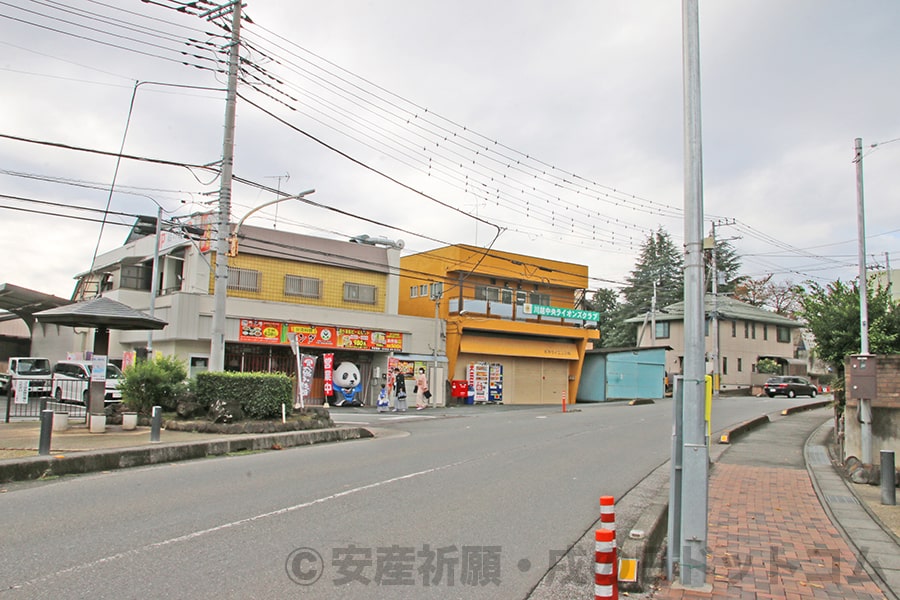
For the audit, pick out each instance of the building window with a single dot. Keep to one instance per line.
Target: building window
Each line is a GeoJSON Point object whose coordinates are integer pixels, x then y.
{"type": "Point", "coordinates": [662, 330]}
{"type": "Point", "coordinates": [484, 292]}
{"type": "Point", "coordinates": [413, 291]}
{"type": "Point", "coordinates": [746, 329]}
{"type": "Point", "coordinates": [245, 280]}
{"type": "Point", "coordinates": [307, 287]}
{"type": "Point", "coordinates": [437, 290]}
{"type": "Point", "coordinates": [783, 334]}
{"type": "Point", "coordinates": [765, 332]}
{"type": "Point", "coordinates": [357, 292]}
{"type": "Point", "coordinates": [521, 297]}
{"type": "Point", "coordinates": [136, 277]}
{"type": "Point", "coordinates": [724, 365]}
{"type": "Point", "coordinates": [423, 290]}
{"type": "Point", "coordinates": [541, 299]}
{"type": "Point", "coordinates": [506, 296]}
{"type": "Point", "coordinates": [734, 328]}
{"type": "Point", "coordinates": [753, 330]}
{"type": "Point", "coordinates": [740, 365]}
{"type": "Point", "coordinates": [706, 327]}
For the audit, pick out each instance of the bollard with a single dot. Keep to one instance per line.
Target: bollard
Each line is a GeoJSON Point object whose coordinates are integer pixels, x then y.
{"type": "Point", "coordinates": [564, 401]}
{"type": "Point", "coordinates": [888, 478]}
{"type": "Point", "coordinates": [46, 429]}
{"type": "Point", "coordinates": [155, 423]}
{"type": "Point", "coordinates": [606, 586]}
{"type": "Point", "coordinates": [608, 514]}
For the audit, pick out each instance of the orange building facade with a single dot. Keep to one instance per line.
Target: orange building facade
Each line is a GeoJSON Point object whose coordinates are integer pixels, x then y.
{"type": "Point", "coordinates": [511, 325]}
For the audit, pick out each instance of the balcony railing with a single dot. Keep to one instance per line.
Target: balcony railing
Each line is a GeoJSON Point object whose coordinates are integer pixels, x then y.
{"type": "Point", "coordinates": [508, 312]}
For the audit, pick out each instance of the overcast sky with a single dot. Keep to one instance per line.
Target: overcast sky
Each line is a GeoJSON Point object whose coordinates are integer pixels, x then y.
{"type": "Point", "coordinates": [559, 125]}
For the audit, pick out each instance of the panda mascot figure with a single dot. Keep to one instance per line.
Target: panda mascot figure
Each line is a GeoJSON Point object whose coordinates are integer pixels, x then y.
{"type": "Point", "coordinates": [348, 385]}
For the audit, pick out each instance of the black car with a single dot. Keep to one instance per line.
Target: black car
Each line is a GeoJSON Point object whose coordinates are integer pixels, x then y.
{"type": "Point", "coordinates": [789, 386]}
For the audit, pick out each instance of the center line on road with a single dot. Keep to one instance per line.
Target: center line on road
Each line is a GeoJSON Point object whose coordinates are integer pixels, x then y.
{"type": "Point", "coordinates": [224, 526]}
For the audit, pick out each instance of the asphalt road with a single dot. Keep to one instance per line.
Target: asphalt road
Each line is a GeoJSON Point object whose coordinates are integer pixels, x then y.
{"type": "Point", "coordinates": [452, 507]}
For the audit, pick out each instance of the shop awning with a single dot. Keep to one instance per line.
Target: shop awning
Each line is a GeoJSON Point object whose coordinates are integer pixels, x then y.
{"type": "Point", "coordinates": [510, 346]}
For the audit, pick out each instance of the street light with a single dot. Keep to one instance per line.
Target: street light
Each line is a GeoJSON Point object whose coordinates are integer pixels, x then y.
{"type": "Point", "coordinates": [233, 240]}
{"type": "Point", "coordinates": [228, 247]}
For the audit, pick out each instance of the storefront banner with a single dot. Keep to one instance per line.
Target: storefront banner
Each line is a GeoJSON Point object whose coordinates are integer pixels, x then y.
{"type": "Point", "coordinates": [328, 363]}
{"type": "Point", "coordinates": [312, 335]}
{"type": "Point", "coordinates": [365, 339]}
{"type": "Point", "coordinates": [307, 369]}
{"type": "Point", "coordinates": [260, 332]}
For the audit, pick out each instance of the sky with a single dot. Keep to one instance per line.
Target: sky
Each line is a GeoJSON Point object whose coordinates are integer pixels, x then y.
{"type": "Point", "coordinates": [547, 129]}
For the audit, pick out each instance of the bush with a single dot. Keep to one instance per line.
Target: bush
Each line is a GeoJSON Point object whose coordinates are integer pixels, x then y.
{"type": "Point", "coordinates": [768, 365]}
{"type": "Point", "coordinates": [158, 382]}
{"type": "Point", "coordinates": [260, 395]}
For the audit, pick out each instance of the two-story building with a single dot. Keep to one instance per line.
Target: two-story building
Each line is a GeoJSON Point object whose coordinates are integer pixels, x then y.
{"type": "Point", "coordinates": [746, 334]}
{"type": "Point", "coordinates": [514, 329]}
{"type": "Point", "coordinates": [334, 297]}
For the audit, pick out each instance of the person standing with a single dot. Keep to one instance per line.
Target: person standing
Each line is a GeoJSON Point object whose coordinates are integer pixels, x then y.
{"type": "Point", "coordinates": [399, 391]}
{"type": "Point", "coordinates": [421, 388]}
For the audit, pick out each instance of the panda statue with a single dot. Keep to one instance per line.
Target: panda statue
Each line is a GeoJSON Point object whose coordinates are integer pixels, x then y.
{"type": "Point", "coordinates": [348, 385]}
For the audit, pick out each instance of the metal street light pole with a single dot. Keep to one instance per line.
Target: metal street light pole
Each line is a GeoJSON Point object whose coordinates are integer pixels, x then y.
{"type": "Point", "coordinates": [695, 454]}
{"type": "Point", "coordinates": [234, 236]}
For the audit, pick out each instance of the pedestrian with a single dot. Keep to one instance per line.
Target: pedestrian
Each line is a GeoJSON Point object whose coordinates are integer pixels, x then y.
{"type": "Point", "coordinates": [399, 391]}
{"type": "Point", "coordinates": [383, 399]}
{"type": "Point", "coordinates": [421, 389]}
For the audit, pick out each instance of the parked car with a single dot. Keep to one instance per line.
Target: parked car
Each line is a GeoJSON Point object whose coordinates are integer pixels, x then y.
{"type": "Point", "coordinates": [71, 381]}
{"type": "Point", "coordinates": [34, 370]}
{"type": "Point", "coordinates": [789, 386]}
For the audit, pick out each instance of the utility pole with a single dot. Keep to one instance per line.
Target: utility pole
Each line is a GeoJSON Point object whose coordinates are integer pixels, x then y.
{"type": "Point", "coordinates": [865, 404]}
{"type": "Point", "coordinates": [217, 338]}
{"type": "Point", "coordinates": [695, 453]}
{"type": "Point", "coordinates": [154, 279]}
{"type": "Point", "coordinates": [714, 315]}
{"type": "Point", "coordinates": [653, 316]}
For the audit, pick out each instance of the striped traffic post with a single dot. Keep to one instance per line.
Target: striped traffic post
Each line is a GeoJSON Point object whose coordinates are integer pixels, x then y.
{"type": "Point", "coordinates": [608, 514]}
{"type": "Point", "coordinates": [606, 586]}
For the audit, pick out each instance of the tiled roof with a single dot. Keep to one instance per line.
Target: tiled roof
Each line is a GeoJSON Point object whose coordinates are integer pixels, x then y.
{"type": "Point", "coordinates": [727, 308]}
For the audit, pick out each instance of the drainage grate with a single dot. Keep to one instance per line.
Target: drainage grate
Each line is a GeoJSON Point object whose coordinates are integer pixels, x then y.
{"type": "Point", "coordinates": [832, 499]}
{"type": "Point", "coordinates": [817, 455]}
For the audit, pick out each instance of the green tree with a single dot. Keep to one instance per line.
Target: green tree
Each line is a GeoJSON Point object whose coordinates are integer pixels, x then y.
{"type": "Point", "coordinates": [614, 331]}
{"type": "Point", "coordinates": [832, 315]}
{"type": "Point", "coordinates": [728, 266]}
{"type": "Point", "coordinates": [660, 262]}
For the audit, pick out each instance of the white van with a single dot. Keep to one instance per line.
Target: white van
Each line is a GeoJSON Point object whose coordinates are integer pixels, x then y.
{"type": "Point", "coordinates": [72, 378]}
{"type": "Point", "coordinates": [34, 370]}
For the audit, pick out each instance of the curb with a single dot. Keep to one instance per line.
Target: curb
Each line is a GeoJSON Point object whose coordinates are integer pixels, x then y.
{"type": "Point", "coordinates": [743, 428]}
{"type": "Point", "coordinates": [812, 406]}
{"type": "Point", "coordinates": [37, 467]}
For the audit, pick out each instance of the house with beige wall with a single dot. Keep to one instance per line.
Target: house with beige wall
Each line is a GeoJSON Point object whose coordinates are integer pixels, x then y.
{"type": "Point", "coordinates": [746, 335]}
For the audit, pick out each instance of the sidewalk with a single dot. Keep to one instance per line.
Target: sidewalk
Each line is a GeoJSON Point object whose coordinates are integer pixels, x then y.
{"type": "Point", "coordinates": [783, 523]}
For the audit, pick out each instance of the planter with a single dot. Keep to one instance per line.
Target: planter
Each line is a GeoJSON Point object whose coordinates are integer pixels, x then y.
{"type": "Point", "coordinates": [98, 423]}
{"type": "Point", "coordinates": [129, 420]}
{"type": "Point", "coordinates": [60, 421]}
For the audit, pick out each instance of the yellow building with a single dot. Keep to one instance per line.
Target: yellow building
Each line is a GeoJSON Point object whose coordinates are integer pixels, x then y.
{"type": "Point", "coordinates": [514, 330]}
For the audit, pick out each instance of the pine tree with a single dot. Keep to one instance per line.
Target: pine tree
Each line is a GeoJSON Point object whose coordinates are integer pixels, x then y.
{"type": "Point", "coordinates": [661, 261]}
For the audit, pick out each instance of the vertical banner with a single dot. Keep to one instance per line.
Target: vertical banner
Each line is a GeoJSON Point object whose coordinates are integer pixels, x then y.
{"type": "Point", "coordinates": [307, 369]}
{"type": "Point", "coordinates": [328, 363]}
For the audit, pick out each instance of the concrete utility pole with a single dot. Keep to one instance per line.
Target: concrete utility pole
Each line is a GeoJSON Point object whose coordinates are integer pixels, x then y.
{"type": "Point", "coordinates": [695, 454]}
{"type": "Point", "coordinates": [714, 314]}
{"type": "Point", "coordinates": [217, 341]}
{"type": "Point", "coordinates": [865, 405]}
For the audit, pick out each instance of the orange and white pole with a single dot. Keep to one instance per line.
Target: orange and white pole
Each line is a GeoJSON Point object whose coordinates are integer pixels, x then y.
{"type": "Point", "coordinates": [606, 586]}
{"type": "Point", "coordinates": [608, 514]}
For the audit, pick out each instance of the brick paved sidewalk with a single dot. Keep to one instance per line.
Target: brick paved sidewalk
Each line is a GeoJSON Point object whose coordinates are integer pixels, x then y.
{"type": "Point", "coordinates": [769, 537]}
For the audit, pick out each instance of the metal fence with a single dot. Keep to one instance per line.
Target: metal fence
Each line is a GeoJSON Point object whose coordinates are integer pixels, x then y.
{"type": "Point", "coordinates": [58, 396]}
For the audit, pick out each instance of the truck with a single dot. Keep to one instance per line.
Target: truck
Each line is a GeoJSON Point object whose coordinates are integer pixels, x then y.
{"type": "Point", "coordinates": [31, 369]}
